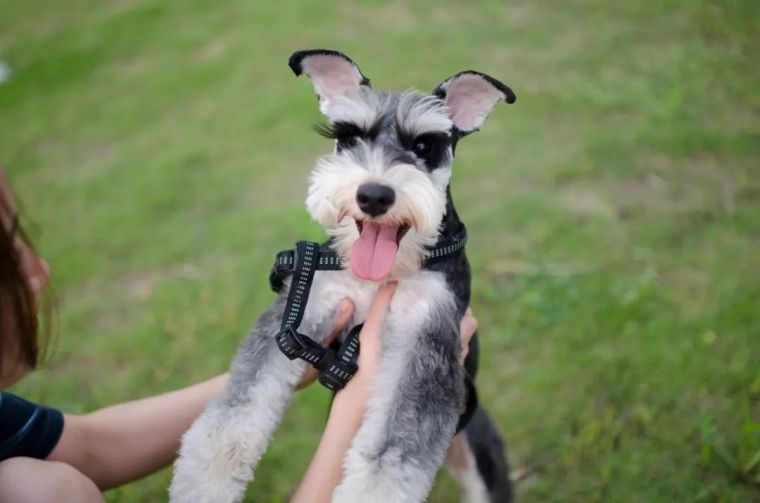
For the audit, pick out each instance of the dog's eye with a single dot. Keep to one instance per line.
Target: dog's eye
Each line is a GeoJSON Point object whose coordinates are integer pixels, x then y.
{"type": "Point", "coordinates": [429, 147]}
{"type": "Point", "coordinates": [422, 147]}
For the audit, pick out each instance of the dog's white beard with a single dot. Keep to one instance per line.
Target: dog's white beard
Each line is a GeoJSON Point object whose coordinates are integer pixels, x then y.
{"type": "Point", "coordinates": [420, 201]}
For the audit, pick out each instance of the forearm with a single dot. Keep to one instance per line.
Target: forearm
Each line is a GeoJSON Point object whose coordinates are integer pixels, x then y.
{"type": "Point", "coordinates": [325, 470]}
{"type": "Point", "coordinates": [125, 442]}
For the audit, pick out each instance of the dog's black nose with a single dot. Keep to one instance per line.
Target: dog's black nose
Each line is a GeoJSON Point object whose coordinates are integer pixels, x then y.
{"type": "Point", "coordinates": [375, 199]}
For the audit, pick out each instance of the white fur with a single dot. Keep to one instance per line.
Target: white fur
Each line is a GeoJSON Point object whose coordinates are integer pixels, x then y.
{"type": "Point", "coordinates": [420, 201]}
{"type": "Point", "coordinates": [422, 115]}
{"type": "Point", "coordinates": [359, 106]}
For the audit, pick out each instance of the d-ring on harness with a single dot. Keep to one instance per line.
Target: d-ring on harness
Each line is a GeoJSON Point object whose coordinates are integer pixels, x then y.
{"type": "Point", "coordinates": [336, 368]}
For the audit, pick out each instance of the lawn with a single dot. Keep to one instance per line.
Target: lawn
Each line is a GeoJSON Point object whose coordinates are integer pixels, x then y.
{"type": "Point", "coordinates": [161, 150]}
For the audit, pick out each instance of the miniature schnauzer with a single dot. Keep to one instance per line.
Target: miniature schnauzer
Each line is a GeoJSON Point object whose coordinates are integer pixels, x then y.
{"type": "Point", "coordinates": [383, 196]}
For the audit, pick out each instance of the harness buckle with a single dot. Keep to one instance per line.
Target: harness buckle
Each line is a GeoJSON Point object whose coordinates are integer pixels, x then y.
{"type": "Point", "coordinates": [290, 342]}
{"type": "Point", "coordinates": [337, 374]}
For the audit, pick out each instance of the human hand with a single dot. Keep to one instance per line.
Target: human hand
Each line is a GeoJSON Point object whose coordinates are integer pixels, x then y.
{"type": "Point", "coordinates": [370, 342]}
{"type": "Point", "coordinates": [467, 328]}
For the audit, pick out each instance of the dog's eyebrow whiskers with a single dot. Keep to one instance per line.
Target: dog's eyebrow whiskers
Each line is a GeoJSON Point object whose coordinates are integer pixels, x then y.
{"type": "Point", "coordinates": [374, 130]}
{"type": "Point", "coordinates": [338, 130]}
{"type": "Point", "coordinates": [413, 132]}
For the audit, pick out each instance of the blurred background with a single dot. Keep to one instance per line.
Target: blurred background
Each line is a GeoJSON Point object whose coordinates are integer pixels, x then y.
{"type": "Point", "coordinates": [161, 152]}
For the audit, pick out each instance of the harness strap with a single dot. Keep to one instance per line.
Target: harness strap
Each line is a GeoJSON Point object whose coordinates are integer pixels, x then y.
{"type": "Point", "coordinates": [285, 265]}
{"type": "Point", "coordinates": [328, 260]}
{"type": "Point", "coordinates": [336, 368]}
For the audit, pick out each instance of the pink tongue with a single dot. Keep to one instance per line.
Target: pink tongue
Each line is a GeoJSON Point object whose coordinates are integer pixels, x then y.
{"type": "Point", "coordinates": [373, 253]}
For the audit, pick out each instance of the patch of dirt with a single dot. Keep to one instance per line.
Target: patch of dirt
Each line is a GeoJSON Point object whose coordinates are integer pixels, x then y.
{"type": "Point", "coordinates": [585, 201]}
{"type": "Point", "coordinates": [362, 21]}
{"type": "Point", "coordinates": [212, 49]}
{"type": "Point", "coordinates": [81, 163]}
{"type": "Point", "coordinates": [141, 284]}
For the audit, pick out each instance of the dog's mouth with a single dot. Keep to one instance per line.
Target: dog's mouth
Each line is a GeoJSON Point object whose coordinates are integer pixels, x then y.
{"type": "Point", "coordinates": [372, 255]}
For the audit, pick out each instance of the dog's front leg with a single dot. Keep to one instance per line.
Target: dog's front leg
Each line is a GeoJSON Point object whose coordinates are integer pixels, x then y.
{"type": "Point", "coordinates": [223, 445]}
{"type": "Point", "coordinates": [411, 417]}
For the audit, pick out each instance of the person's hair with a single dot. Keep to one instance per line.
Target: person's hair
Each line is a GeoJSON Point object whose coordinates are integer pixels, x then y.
{"type": "Point", "coordinates": [18, 306]}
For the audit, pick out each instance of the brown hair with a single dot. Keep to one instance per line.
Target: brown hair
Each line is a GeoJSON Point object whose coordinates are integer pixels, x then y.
{"type": "Point", "coordinates": [18, 303]}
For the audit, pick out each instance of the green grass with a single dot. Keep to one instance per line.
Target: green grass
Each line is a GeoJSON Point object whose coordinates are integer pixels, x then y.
{"type": "Point", "coordinates": [162, 149]}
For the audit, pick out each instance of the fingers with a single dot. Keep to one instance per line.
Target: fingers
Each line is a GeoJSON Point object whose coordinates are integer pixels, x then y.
{"type": "Point", "coordinates": [467, 328]}
{"type": "Point", "coordinates": [342, 317]}
{"type": "Point", "coordinates": [380, 304]}
{"type": "Point", "coordinates": [309, 376]}
{"type": "Point", "coordinates": [369, 337]}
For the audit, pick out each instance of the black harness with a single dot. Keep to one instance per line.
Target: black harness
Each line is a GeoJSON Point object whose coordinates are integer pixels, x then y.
{"type": "Point", "coordinates": [336, 367]}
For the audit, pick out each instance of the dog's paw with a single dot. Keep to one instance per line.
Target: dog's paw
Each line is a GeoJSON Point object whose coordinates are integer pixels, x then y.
{"type": "Point", "coordinates": [382, 478]}
{"type": "Point", "coordinates": [209, 469]}
{"type": "Point", "coordinates": [189, 490]}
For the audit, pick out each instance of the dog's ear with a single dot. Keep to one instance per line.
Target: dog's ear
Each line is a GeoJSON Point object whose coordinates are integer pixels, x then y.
{"type": "Point", "coordinates": [470, 96]}
{"type": "Point", "coordinates": [332, 73]}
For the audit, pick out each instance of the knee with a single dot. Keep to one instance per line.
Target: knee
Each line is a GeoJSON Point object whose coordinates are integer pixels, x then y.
{"type": "Point", "coordinates": [32, 480]}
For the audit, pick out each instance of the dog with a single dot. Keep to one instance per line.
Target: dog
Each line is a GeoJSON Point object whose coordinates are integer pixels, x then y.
{"type": "Point", "coordinates": [384, 198]}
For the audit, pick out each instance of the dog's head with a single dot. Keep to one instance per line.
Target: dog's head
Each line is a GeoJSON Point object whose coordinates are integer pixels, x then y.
{"type": "Point", "coordinates": [382, 193]}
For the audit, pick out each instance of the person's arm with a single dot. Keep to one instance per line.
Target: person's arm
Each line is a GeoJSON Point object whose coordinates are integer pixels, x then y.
{"type": "Point", "coordinates": [124, 442]}
{"type": "Point", "coordinates": [326, 468]}
{"type": "Point", "coordinates": [127, 441]}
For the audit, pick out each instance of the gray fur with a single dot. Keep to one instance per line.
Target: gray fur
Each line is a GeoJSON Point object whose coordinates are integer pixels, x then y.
{"type": "Point", "coordinates": [220, 448]}
{"type": "Point", "coordinates": [431, 396]}
{"type": "Point", "coordinates": [426, 405]}
{"type": "Point", "coordinates": [253, 353]}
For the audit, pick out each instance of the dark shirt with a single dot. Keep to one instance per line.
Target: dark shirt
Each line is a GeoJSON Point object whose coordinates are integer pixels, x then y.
{"type": "Point", "coordinates": [27, 429]}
